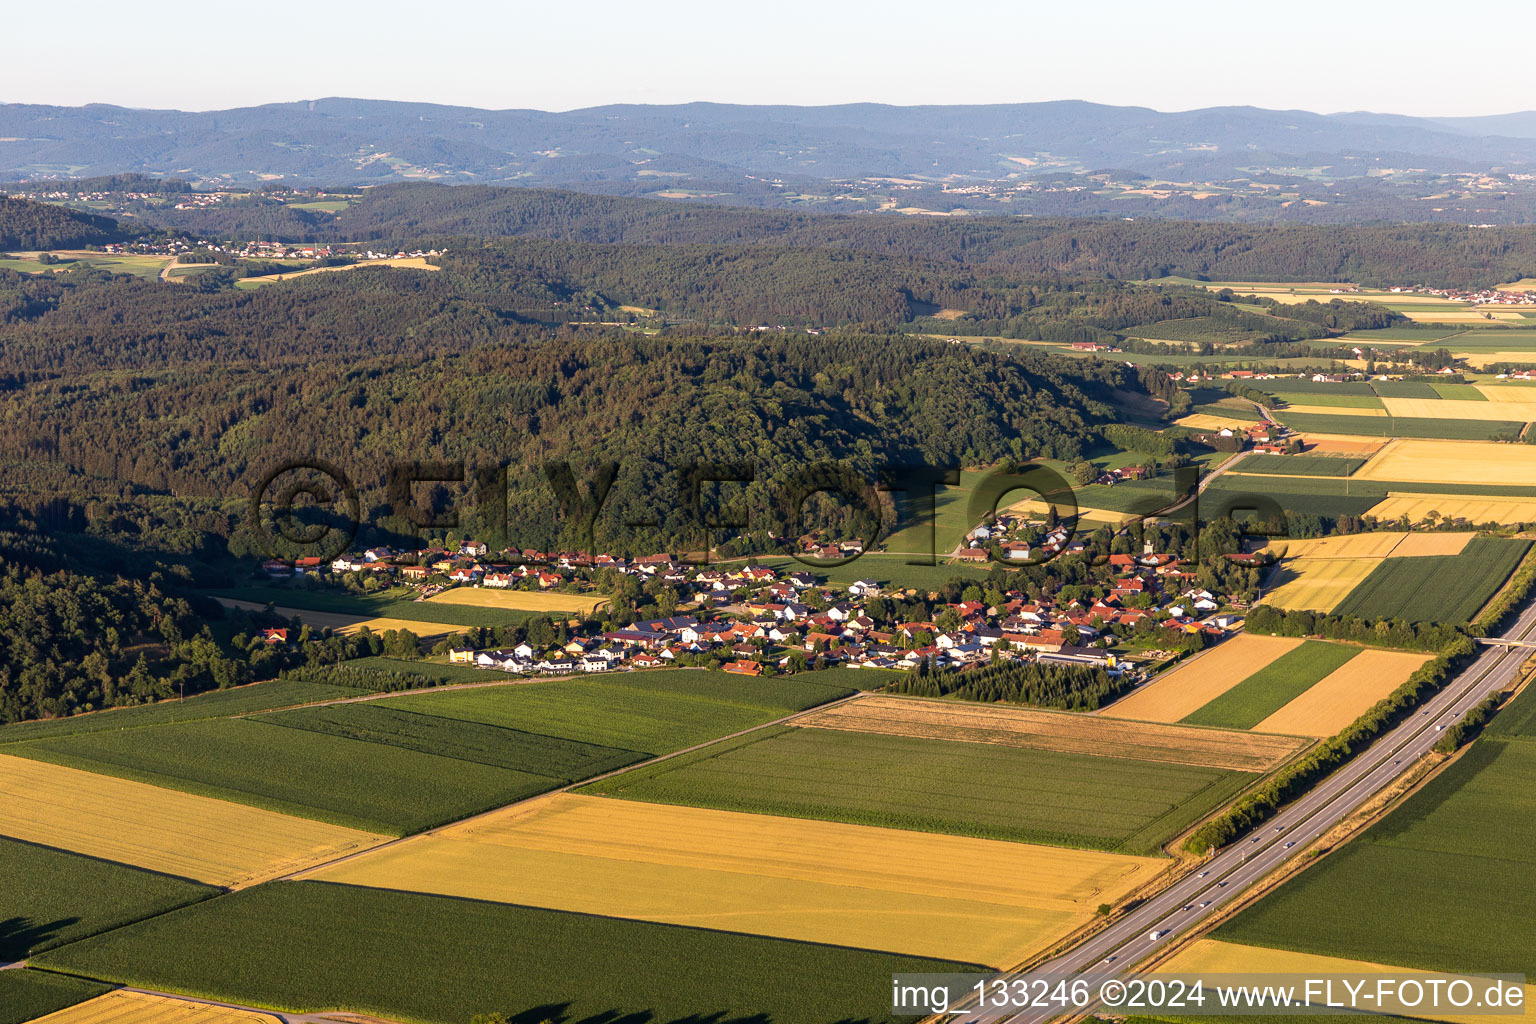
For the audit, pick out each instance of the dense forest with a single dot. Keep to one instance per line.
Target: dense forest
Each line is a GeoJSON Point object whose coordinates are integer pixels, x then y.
{"type": "Point", "coordinates": [31, 226]}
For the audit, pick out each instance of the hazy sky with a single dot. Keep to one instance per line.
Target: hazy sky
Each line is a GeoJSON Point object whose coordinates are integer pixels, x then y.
{"type": "Point", "coordinates": [1403, 57]}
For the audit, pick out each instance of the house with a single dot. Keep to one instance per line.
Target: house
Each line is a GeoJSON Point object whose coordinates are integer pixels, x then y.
{"type": "Point", "coordinates": [864, 588]}
{"type": "Point", "coordinates": [461, 655]}
{"type": "Point", "coordinates": [274, 636]}
{"type": "Point", "coordinates": [971, 555]}
{"type": "Point", "coordinates": [414, 572]}
{"type": "Point", "coordinates": [646, 661]}
{"type": "Point", "coordinates": [472, 548]}
{"type": "Point", "coordinates": [743, 668]}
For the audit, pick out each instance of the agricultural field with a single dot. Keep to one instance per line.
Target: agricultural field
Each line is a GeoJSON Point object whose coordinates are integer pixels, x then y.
{"type": "Point", "coordinates": [652, 712]}
{"type": "Point", "coordinates": [1399, 893]}
{"type": "Point", "coordinates": [1297, 465]}
{"type": "Point", "coordinates": [1319, 584]}
{"type": "Point", "coordinates": [519, 600]}
{"type": "Point", "coordinates": [1338, 421]}
{"type": "Point", "coordinates": [123, 1007]}
{"type": "Point", "coordinates": [1206, 957]}
{"type": "Point", "coordinates": [1471, 508]}
{"type": "Point", "coordinates": [400, 262]}
{"type": "Point", "coordinates": [52, 897]}
{"type": "Point", "coordinates": [240, 700]}
{"type": "Point", "coordinates": [370, 787]}
{"type": "Point", "coordinates": [1436, 588]}
{"type": "Point", "coordinates": [1041, 729]}
{"type": "Point", "coordinates": [848, 885]}
{"type": "Point", "coordinates": [1115, 804]}
{"type": "Point", "coordinates": [1436, 407]}
{"type": "Point", "coordinates": [1343, 695]}
{"type": "Point", "coordinates": [397, 603]}
{"type": "Point", "coordinates": [1326, 401]}
{"type": "Point", "coordinates": [26, 995]}
{"type": "Point", "coordinates": [292, 955]}
{"type": "Point", "coordinates": [1183, 690]}
{"type": "Point", "coordinates": [175, 833]}
{"type": "Point", "coordinates": [1274, 686]}
{"type": "Point", "coordinates": [1448, 463]}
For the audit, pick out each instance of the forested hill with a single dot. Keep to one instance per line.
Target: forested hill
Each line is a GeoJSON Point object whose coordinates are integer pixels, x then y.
{"type": "Point", "coordinates": [29, 226]}
{"type": "Point", "coordinates": [1437, 255]}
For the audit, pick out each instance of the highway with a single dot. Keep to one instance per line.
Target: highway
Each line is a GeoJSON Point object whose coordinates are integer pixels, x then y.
{"type": "Point", "coordinates": [1190, 902]}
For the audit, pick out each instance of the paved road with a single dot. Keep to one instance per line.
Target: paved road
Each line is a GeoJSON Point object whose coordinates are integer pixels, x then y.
{"type": "Point", "coordinates": [1115, 951]}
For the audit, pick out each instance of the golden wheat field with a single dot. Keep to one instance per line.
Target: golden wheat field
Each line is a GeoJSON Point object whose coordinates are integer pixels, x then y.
{"type": "Point", "coordinates": [1356, 545]}
{"type": "Point", "coordinates": [163, 830]}
{"type": "Point", "coordinates": [1452, 462]}
{"type": "Point", "coordinates": [1417, 545]}
{"type": "Point", "coordinates": [381, 625]}
{"type": "Point", "coordinates": [1459, 316]}
{"type": "Point", "coordinates": [1471, 507]}
{"type": "Point", "coordinates": [1055, 730]}
{"type": "Point", "coordinates": [1185, 689]}
{"type": "Point", "coordinates": [1319, 584]}
{"type": "Point", "coordinates": [518, 600]}
{"type": "Point", "coordinates": [1344, 694]}
{"type": "Point", "coordinates": [1341, 444]}
{"type": "Point", "coordinates": [124, 1007]}
{"type": "Point", "coordinates": [404, 262]}
{"type": "Point", "coordinates": [816, 881]}
{"type": "Point", "coordinates": [1204, 421]}
{"type": "Point", "coordinates": [1481, 359]}
{"type": "Point", "coordinates": [1036, 507]}
{"type": "Point", "coordinates": [1453, 409]}
{"type": "Point", "coordinates": [1517, 394]}
{"type": "Point", "coordinates": [1210, 956]}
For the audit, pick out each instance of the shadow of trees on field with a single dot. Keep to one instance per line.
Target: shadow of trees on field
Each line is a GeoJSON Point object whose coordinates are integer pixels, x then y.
{"type": "Point", "coordinates": [559, 1013]}
{"type": "Point", "coordinates": [20, 935]}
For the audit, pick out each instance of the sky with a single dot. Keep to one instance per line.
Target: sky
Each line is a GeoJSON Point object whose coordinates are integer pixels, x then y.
{"type": "Point", "coordinates": [1403, 57]}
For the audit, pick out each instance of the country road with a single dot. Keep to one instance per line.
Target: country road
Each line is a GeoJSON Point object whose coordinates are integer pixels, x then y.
{"type": "Point", "coordinates": [1237, 868]}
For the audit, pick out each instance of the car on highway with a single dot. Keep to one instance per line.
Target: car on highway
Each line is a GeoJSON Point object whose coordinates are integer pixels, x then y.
{"type": "Point", "coordinates": [1202, 874]}
{"type": "Point", "coordinates": [1289, 845]}
{"type": "Point", "coordinates": [1154, 935]}
{"type": "Point", "coordinates": [1110, 959]}
{"type": "Point", "coordinates": [1205, 904]}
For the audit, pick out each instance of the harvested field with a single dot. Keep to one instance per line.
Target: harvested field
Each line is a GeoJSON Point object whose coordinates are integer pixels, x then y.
{"type": "Point", "coordinates": [403, 262]}
{"type": "Point", "coordinates": [1212, 956]}
{"type": "Point", "coordinates": [1356, 545]}
{"type": "Point", "coordinates": [1189, 687]}
{"type": "Point", "coordinates": [519, 600]}
{"type": "Point", "coordinates": [1423, 544]}
{"type": "Point", "coordinates": [1344, 694]}
{"type": "Point", "coordinates": [1205, 421]}
{"type": "Point", "coordinates": [160, 829]}
{"type": "Point", "coordinates": [1036, 507]}
{"type": "Point", "coordinates": [1272, 687]}
{"type": "Point", "coordinates": [1319, 584]}
{"type": "Point", "coordinates": [1341, 444]}
{"type": "Point", "coordinates": [1481, 358]}
{"type": "Point", "coordinates": [421, 629]}
{"type": "Point", "coordinates": [1452, 462]}
{"type": "Point", "coordinates": [1471, 507]}
{"type": "Point", "coordinates": [123, 1007]}
{"type": "Point", "coordinates": [1054, 730]}
{"type": "Point", "coordinates": [1513, 393]}
{"type": "Point", "coordinates": [1451, 409]}
{"type": "Point", "coordinates": [849, 885]}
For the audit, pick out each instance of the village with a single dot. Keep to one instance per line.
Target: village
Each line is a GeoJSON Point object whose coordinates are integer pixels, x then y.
{"type": "Point", "coordinates": [752, 619]}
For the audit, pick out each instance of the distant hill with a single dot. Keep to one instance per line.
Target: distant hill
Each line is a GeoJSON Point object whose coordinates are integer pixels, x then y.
{"type": "Point", "coordinates": [336, 141]}
{"type": "Point", "coordinates": [27, 226]}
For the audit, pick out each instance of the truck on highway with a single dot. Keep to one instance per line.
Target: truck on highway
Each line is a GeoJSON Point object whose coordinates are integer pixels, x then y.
{"type": "Point", "coordinates": [1154, 935]}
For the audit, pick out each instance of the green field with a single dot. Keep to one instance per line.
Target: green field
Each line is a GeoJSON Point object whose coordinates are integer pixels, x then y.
{"type": "Point", "coordinates": [27, 995]}
{"type": "Point", "coordinates": [1233, 493]}
{"type": "Point", "coordinates": [1403, 389]}
{"type": "Point", "coordinates": [371, 786]}
{"type": "Point", "coordinates": [1398, 426]}
{"type": "Point", "coordinates": [312, 946]}
{"type": "Point", "coordinates": [279, 693]}
{"type": "Point", "coordinates": [1298, 465]}
{"type": "Point", "coordinates": [49, 897]}
{"type": "Point", "coordinates": [1327, 398]}
{"type": "Point", "coordinates": [974, 789]}
{"type": "Point", "coordinates": [1459, 392]}
{"type": "Point", "coordinates": [441, 671]}
{"type": "Point", "coordinates": [1273, 686]}
{"type": "Point", "coordinates": [1442, 883]}
{"type": "Point", "coordinates": [1436, 588]}
{"type": "Point", "coordinates": [651, 712]}
{"type": "Point", "coordinates": [384, 722]}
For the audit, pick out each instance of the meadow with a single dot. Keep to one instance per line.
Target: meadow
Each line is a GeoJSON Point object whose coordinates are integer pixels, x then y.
{"type": "Point", "coordinates": [972, 789]}
{"type": "Point", "coordinates": [818, 881]}
{"type": "Point", "coordinates": [1441, 883]}
{"type": "Point", "coordinates": [1399, 426]}
{"type": "Point", "coordinates": [292, 955]}
{"type": "Point", "coordinates": [1298, 465]}
{"type": "Point", "coordinates": [1436, 588]}
{"type": "Point", "coordinates": [1272, 687]}
{"type": "Point", "coordinates": [52, 897]}
{"type": "Point", "coordinates": [159, 829]}
{"type": "Point", "coordinates": [366, 786]}
{"type": "Point", "coordinates": [27, 995]}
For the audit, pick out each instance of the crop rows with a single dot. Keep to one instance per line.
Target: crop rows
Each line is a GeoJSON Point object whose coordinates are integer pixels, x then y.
{"type": "Point", "coordinates": [1436, 588]}
{"type": "Point", "coordinates": [1272, 687]}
